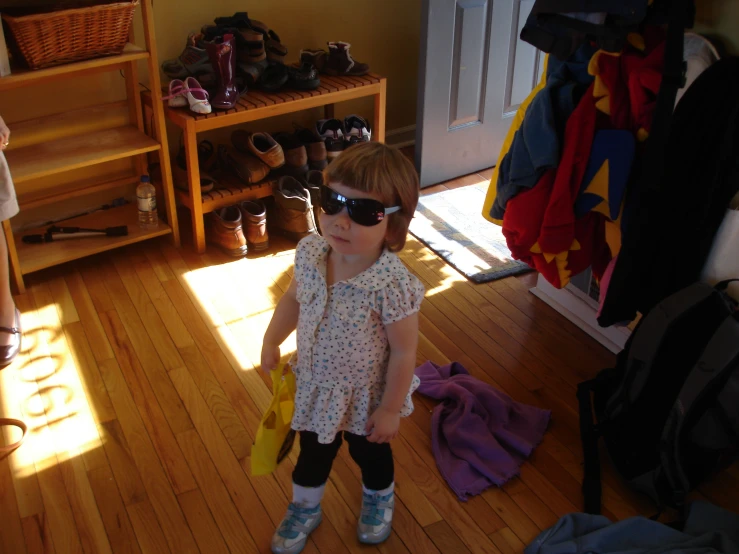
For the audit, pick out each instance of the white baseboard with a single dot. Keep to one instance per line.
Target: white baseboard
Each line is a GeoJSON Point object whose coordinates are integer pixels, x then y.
{"type": "Point", "coordinates": [401, 137]}
{"type": "Point", "coordinates": [582, 314]}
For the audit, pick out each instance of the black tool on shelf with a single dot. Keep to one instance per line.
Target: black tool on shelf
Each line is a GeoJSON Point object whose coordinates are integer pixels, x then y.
{"type": "Point", "coordinates": [55, 233]}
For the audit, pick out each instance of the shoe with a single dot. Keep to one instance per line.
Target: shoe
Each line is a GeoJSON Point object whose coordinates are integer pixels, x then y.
{"type": "Point", "coordinates": [356, 130]}
{"type": "Point", "coordinates": [223, 58]}
{"type": "Point", "coordinates": [376, 521]}
{"type": "Point", "coordinates": [304, 77]}
{"type": "Point", "coordinates": [247, 168]}
{"type": "Point", "coordinates": [276, 51]}
{"type": "Point", "coordinates": [296, 156]}
{"type": "Point", "coordinates": [315, 147]}
{"type": "Point", "coordinates": [312, 182]}
{"type": "Point", "coordinates": [9, 352]}
{"type": "Point", "coordinates": [274, 77]}
{"type": "Point", "coordinates": [254, 217]}
{"type": "Point", "coordinates": [340, 61]}
{"type": "Point", "coordinates": [332, 133]}
{"type": "Point", "coordinates": [192, 62]}
{"type": "Point", "coordinates": [176, 97]}
{"type": "Point", "coordinates": [225, 230]}
{"type": "Point", "coordinates": [262, 145]}
{"type": "Point", "coordinates": [317, 58]}
{"type": "Point", "coordinates": [206, 163]}
{"type": "Point", "coordinates": [293, 216]}
{"type": "Point", "coordinates": [196, 96]}
{"type": "Point", "coordinates": [292, 534]}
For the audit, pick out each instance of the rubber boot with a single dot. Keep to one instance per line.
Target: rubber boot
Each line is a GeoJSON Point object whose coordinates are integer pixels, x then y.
{"type": "Point", "coordinates": [222, 53]}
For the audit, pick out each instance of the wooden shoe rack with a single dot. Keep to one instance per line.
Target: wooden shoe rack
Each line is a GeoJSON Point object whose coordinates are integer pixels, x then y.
{"type": "Point", "coordinates": [75, 140]}
{"type": "Point", "coordinates": [253, 106]}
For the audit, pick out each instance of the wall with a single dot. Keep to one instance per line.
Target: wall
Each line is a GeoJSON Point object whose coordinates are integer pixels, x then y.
{"type": "Point", "coordinates": [719, 19]}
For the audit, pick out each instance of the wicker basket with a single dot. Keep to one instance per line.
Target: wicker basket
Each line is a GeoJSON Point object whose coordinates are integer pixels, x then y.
{"type": "Point", "coordinates": [72, 35]}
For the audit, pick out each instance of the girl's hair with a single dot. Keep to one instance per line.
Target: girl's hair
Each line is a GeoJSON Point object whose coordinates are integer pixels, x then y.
{"type": "Point", "coordinates": [375, 168]}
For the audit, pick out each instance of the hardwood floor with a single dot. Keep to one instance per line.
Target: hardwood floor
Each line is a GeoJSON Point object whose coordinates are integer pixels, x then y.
{"type": "Point", "coordinates": [139, 382]}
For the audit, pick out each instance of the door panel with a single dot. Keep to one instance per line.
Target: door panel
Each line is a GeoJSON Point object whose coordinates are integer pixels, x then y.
{"type": "Point", "coordinates": [474, 72]}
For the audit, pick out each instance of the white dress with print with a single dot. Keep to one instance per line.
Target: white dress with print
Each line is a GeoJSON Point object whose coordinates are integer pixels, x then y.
{"type": "Point", "coordinates": [343, 350]}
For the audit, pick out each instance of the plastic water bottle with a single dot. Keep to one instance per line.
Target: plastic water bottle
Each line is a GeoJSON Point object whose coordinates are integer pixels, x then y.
{"type": "Point", "coordinates": [146, 198]}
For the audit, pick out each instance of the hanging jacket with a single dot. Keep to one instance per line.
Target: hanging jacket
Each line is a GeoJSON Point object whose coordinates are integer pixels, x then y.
{"type": "Point", "coordinates": [666, 242]}
{"type": "Point", "coordinates": [536, 144]}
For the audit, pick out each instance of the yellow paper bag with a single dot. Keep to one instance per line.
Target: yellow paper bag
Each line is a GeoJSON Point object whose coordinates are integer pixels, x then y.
{"type": "Point", "coordinates": [275, 438]}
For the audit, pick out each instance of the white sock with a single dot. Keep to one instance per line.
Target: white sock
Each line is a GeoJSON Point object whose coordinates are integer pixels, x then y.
{"type": "Point", "coordinates": [307, 497]}
{"type": "Point", "coordinates": [383, 492]}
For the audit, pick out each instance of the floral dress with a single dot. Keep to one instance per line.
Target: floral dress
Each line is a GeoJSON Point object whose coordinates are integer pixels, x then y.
{"type": "Point", "coordinates": [343, 350]}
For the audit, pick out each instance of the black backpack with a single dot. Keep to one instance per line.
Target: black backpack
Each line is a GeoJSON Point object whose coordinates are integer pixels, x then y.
{"type": "Point", "coordinates": [668, 413]}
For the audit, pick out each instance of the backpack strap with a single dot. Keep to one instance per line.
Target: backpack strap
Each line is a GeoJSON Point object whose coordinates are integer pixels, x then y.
{"type": "Point", "coordinates": [718, 360]}
{"type": "Point", "coordinates": [648, 338]}
{"type": "Point", "coordinates": [589, 435]}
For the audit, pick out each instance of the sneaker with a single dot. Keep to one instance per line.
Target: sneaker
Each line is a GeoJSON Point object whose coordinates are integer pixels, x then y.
{"type": "Point", "coordinates": [376, 520]}
{"type": "Point", "coordinates": [292, 534]}
{"type": "Point", "coordinates": [357, 130]}
{"type": "Point", "coordinates": [192, 62]}
{"type": "Point", "coordinates": [332, 133]}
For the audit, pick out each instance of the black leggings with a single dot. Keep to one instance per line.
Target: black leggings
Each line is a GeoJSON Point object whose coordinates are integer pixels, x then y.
{"type": "Point", "coordinates": [315, 460]}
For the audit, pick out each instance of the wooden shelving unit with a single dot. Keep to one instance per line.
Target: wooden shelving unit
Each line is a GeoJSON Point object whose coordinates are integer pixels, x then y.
{"type": "Point", "coordinates": [72, 150]}
{"type": "Point", "coordinates": [253, 106]}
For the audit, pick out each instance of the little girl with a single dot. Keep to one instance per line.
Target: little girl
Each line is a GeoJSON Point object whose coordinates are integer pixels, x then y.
{"type": "Point", "coordinates": [355, 306]}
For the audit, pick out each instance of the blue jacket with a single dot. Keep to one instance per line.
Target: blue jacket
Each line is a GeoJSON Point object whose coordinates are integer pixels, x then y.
{"type": "Point", "coordinates": [536, 144]}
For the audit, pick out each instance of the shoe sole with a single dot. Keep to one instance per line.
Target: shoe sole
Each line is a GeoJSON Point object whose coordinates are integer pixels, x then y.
{"type": "Point", "coordinates": [280, 551]}
{"type": "Point", "coordinates": [235, 253]}
{"type": "Point", "coordinates": [378, 540]}
{"type": "Point", "coordinates": [260, 247]}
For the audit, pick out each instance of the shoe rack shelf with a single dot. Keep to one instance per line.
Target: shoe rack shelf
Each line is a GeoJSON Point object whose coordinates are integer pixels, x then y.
{"type": "Point", "coordinates": [63, 144]}
{"type": "Point", "coordinates": [253, 106]}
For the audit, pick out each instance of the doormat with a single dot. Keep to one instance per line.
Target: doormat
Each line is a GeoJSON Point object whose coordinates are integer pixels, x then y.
{"type": "Point", "coordinates": [451, 224]}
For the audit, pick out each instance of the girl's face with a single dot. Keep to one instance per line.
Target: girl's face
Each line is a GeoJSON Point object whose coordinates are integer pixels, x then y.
{"type": "Point", "coordinates": [348, 237]}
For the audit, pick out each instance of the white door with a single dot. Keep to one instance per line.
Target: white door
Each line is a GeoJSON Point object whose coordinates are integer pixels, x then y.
{"type": "Point", "coordinates": [474, 72]}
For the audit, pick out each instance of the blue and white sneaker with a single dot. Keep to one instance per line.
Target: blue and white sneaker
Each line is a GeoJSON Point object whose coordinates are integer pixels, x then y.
{"type": "Point", "coordinates": [292, 534]}
{"type": "Point", "coordinates": [376, 521]}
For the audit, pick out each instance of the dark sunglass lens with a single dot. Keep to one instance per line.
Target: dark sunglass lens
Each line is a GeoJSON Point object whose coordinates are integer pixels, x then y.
{"type": "Point", "coordinates": [368, 213]}
{"type": "Point", "coordinates": [329, 201]}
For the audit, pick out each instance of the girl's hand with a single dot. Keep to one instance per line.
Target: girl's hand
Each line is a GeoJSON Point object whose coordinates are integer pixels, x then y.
{"type": "Point", "coordinates": [4, 135]}
{"type": "Point", "coordinates": [383, 426]}
{"type": "Point", "coordinates": [270, 356]}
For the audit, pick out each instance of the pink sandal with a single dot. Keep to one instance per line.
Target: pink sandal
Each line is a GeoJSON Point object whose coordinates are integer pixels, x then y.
{"type": "Point", "coordinates": [188, 93]}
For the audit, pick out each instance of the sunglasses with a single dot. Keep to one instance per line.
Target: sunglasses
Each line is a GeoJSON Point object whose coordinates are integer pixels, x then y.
{"type": "Point", "coordinates": [364, 211]}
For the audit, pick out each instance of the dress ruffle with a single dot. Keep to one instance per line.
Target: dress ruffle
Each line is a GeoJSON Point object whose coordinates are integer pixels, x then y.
{"type": "Point", "coordinates": [328, 409]}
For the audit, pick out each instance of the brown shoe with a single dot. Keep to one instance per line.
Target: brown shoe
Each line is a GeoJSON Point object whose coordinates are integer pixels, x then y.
{"type": "Point", "coordinates": [262, 145]}
{"type": "Point", "coordinates": [246, 167]}
{"type": "Point", "coordinates": [293, 210]}
{"type": "Point", "coordinates": [312, 182]}
{"type": "Point", "coordinates": [296, 157]}
{"type": "Point", "coordinates": [224, 229]}
{"type": "Point", "coordinates": [317, 58]}
{"type": "Point", "coordinates": [254, 216]}
{"type": "Point", "coordinates": [340, 61]}
{"type": "Point", "coordinates": [315, 147]}
{"type": "Point", "coordinates": [9, 352]}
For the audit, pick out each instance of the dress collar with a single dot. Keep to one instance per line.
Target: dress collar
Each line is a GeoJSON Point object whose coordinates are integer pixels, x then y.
{"type": "Point", "coordinates": [379, 275]}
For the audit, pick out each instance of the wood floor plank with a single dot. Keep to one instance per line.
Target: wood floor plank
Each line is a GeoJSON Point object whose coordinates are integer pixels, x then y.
{"type": "Point", "coordinates": [152, 412]}
{"type": "Point", "coordinates": [144, 350]}
{"type": "Point", "coordinates": [241, 490]}
{"type": "Point", "coordinates": [115, 518]}
{"type": "Point", "coordinates": [445, 538]}
{"type": "Point", "coordinates": [161, 497]}
{"type": "Point", "coordinates": [154, 254]}
{"type": "Point", "coordinates": [507, 541]}
{"type": "Point", "coordinates": [202, 523]}
{"type": "Point", "coordinates": [122, 465]}
{"type": "Point", "coordinates": [230, 524]}
{"type": "Point", "coordinates": [149, 533]}
{"type": "Point", "coordinates": [65, 304]}
{"type": "Point", "coordinates": [37, 533]}
{"type": "Point", "coordinates": [11, 537]}
{"type": "Point", "coordinates": [88, 316]}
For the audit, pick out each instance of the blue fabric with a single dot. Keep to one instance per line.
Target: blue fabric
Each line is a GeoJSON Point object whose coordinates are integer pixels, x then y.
{"type": "Point", "coordinates": [536, 144]}
{"type": "Point", "coordinates": [708, 530]}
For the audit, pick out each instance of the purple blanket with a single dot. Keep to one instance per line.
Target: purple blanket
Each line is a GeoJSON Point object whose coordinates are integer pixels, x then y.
{"type": "Point", "coordinates": [480, 436]}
